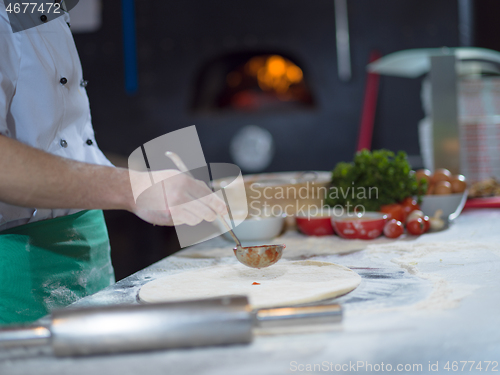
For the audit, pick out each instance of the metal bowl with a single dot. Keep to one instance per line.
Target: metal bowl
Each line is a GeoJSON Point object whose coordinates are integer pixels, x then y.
{"type": "Point", "coordinates": [451, 204]}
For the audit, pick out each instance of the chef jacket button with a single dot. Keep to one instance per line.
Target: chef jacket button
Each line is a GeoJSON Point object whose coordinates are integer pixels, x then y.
{"type": "Point", "coordinates": [43, 18]}
{"type": "Point", "coordinates": [89, 142]}
{"type": "Point", "coordinates": [63, 80]}
{"type": "Point", "coordinates": [63, 143]}
{"type": "Point", "coordinates": [84, 83]}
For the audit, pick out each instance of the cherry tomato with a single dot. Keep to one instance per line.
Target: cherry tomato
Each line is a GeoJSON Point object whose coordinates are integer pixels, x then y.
{"type": "Point", "coordinates": [394, 211]}
{"type": "Point", "coordinates": [409, 205]}
{"type": "Point", "coordinates": [427, 223]}
{"type": "Point", "coordinates": [393, 228]}
{"type": "Point", "coordinates": [414, 214]}
{"type": "Point", "coordinates": [416, 226]}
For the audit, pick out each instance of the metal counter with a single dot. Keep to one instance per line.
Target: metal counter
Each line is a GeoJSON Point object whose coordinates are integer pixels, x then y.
{"type": "Point", "coordinates": [425, 303]}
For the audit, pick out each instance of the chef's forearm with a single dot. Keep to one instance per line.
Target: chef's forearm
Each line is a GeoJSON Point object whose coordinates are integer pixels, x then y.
{"type": "Point", "coordinates": [33, 178]}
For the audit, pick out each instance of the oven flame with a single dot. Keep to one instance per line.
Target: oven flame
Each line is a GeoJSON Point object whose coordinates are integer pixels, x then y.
{"type": "Point", "coordinates": [253, 82]}
{"type": "Point", "coordinates": [274, 73]}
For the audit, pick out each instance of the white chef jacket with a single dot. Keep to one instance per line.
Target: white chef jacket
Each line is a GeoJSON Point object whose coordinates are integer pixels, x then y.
{"type": "Point", "coordinates": [43, 101]}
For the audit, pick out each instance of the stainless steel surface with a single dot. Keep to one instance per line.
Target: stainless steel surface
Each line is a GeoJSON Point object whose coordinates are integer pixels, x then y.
{"type": "Point", "coordinates": [24, 336]}
{"type": "Point", "coordinates": [342, 36]}
{"type": "Point", "coordinates": [446, 143]}
{"type": "Point", "coordinates": [395, 316]}
{"type": "Point", "coordinates": [412, 63]}
{"type": "Point", "coordinates": [298, 316]}
{"type": "Point", "coordinates": [112, 329]}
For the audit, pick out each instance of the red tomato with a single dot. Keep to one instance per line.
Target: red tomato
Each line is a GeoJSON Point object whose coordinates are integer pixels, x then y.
{"type": "Point", "coordinates": [394, 211]}
{"type": "Point", "coordinates": [414, 214]}
{"type": "Point", "coordinates": [427, 223]}
{"type": "Point", "coordinates": [409, 204]}
{"type": "Point", "coordinates": [416, 226]}
{"type": "Point", "coordinates": [393, 228]}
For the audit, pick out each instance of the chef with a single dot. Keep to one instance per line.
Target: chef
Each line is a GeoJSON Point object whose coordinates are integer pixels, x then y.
{"type": "Point", "coordinates": [54, 180]}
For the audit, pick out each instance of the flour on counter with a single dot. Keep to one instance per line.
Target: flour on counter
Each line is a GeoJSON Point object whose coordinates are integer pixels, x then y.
{"type": "Point", "coordinates": [442, 263]}
{"type": "Point", "coordinates": [298, 246]}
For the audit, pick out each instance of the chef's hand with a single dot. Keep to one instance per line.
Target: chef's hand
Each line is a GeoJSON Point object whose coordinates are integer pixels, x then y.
{"type": "Point", "coordinates": [174, 199]}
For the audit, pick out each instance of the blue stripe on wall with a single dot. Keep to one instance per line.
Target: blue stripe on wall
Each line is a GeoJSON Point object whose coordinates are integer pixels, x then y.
{"type": "Point", "coordinates": [129, 46]}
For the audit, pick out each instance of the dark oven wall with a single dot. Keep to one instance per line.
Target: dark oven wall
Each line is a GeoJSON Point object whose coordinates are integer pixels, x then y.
{"type": "Point", "coordinates": [175, 40]}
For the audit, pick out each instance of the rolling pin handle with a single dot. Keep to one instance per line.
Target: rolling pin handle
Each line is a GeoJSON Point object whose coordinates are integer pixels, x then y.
{"type": "Point", "coordinates": [24, 336]}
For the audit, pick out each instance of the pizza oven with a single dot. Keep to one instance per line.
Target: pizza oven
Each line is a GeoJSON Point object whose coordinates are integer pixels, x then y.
{"type": "Point", "coordinates": [251, 82]}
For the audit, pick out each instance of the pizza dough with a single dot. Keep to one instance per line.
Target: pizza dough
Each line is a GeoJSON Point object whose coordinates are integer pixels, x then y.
{"type": "Point", "coordinates": [285, 283]}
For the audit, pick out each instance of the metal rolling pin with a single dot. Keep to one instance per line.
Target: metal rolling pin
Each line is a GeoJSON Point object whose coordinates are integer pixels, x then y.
{"type": "Point", "coordinates": [114, 329]}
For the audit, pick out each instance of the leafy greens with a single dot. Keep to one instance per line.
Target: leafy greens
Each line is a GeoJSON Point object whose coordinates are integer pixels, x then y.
{"type": "Point", "coordinates": [373, 179]}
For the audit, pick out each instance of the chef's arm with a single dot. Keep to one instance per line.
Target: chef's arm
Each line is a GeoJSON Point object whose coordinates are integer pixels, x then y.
{"type": "Point", "coordinates": [33, 178]}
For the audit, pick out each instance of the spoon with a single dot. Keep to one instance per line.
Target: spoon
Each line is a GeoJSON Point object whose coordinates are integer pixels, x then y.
{"type": "Point", "coordinates": [251, 256]}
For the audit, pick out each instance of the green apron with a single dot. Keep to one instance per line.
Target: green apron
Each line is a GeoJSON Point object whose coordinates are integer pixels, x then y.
{"type": "Point", "coordinates": [52, 263]}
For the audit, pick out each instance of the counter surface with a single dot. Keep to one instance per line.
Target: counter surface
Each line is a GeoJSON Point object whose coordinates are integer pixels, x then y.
{"type": "Point", "coordinates": [423, 301]}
